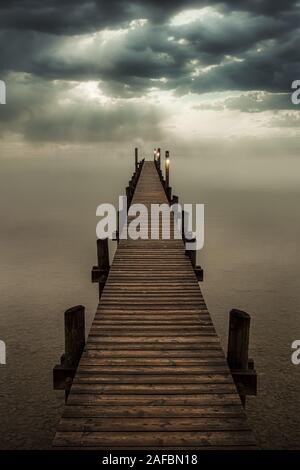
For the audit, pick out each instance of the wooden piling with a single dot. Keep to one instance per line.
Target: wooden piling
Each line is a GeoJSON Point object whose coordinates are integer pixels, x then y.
{"type": "Point", "coordinates": [159, 157]}
{"type": "Point", "coordinates": [184, 225]}
{"type": "Point", "coordinates": [100, 272]}
{"type": "Point", "coordinates": [242, 369]}
{"type": "Point", "coordinates": [136, 157]}
{"type": "Point", "coordinates": [103, 254]}
{"type": "Point", "coordinates": [174, 200]}
{"type": "Point", "coordinates": [74, 335]}
{"type": "Point", "coordinates": [167, 167]}
{"type": "Point", "coordinates": [238, 339]}
{"type": "Point", "coordinates": [117, 234]}
{"type": "Point", "coordinates": [68, 385]}
{"type": "Point", "coordinates": [129, 195]}
{"type": "Point", "coordinates": [192, 254]}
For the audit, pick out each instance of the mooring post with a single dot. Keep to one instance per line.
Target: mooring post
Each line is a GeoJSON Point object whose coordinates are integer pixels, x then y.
{"type": "Point", "coordinates": [158, 157]}
{"type": "Point", "coordinates": [238, 339]}
{"type": "Point", "coordinates": [237, 354]}
{"type": "Point", "coordinates": [134, 180]}
{"type": "Point", "coordinates": [184, 224]}
{"type": "Point", "coordinates": [117, 233]}
{"type": "Point", "coordinates": [169, 193]}
{"type": "Point", "coordinates": [64, 372]}
{"type": "Point", "coordinates": [131, 186]}
{"type": "Point", "coordinates": [128, 195]}
{"type": "Point", "coordinates": [103, 254]}
{"type": "Point", "coordinates": [68, 385]}
{"type": "Point", "coordinates": [192, 254]}
{"type": "Point", "coordinates": [136, 155]}
{"type": "Point", "coordinates": [174, 200]}
{"type": "Point", "coordinates": [167, 167]}
{"type": "Point", "coordinates": [100, 272]}
{"type": "Point", "coordinates": [74, 335]}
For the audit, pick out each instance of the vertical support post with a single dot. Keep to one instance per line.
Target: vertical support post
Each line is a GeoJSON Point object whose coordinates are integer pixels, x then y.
{"type": "Point", "coordinates": [103, 262]}
{"type": "Point", "coordinates": [174, 200]}
{"type": "Point", "coordinates": [136, 155]}
{"type": "Point", "coordinates": [103, 254]}
{"type": "Point", "coordinates": [64, 372]}
{"type": "Point", "coordinates": [167, 168]}
{"type": "Point", "coordinates": [128, 195]}
{"type": "Point", "coordinates": [118, 227]}
{"type": "Point", "coordinates": [238, 342]}
{"type": "Point", "coordinates": [68, 385]}
{"type": "Point", "coordinates": [158, 157]}
{"type": "Point", "coordinates": [74, 335]}
{"type": "Point", "coordinates": [192, 254]}
{"type": "Point", "coordinates": [185, 225]}
{"type": "Point", "coordinates": [169, 193]}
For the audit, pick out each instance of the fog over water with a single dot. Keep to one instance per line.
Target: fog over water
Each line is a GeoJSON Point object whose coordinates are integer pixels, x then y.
{"type": "Point", "coordinates": [251, 261]}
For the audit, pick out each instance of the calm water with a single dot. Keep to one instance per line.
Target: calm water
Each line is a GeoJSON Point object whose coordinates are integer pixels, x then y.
{"type": "Point", "coordinates": [47, 246]}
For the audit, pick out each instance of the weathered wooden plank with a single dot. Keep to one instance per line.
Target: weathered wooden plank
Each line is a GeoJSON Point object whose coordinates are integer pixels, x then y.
{"type": "Point", "coordinates": [152, 400]}
{"type": "Point", "coordinates": [153, 424]}
{"type": "Point", "coordinates": [180, 370]}
{"type": "Point", "coordinates": [152, 346]}
{"type": "Point", "coordinates": [146, 361]}
{"type": "Point", "coordinates": [112, 333]}
{"type": "Point", "coordinates": [155, 389]}
{"type": "Point", "coordinates": [132, 411]}
{"type": "Point", "coordinates": [157, 439]}
{"type": "Point", "coordinates": [155, 338]}
{"type": "Point", "coordinates": [152, 379]}
{"type": "Point", "coordinates": [177, 354]}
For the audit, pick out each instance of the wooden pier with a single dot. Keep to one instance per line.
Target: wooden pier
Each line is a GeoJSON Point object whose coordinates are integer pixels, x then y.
{"type": "Point", "coordinates": [152, 374]}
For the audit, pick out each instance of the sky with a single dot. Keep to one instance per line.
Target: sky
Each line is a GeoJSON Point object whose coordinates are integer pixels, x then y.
{"type": "Point", "coordinates": [119, 71]}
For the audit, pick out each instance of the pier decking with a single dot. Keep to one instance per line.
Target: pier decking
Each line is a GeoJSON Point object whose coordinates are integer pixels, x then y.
{"type": "Point", "coordinates": [153, 373]}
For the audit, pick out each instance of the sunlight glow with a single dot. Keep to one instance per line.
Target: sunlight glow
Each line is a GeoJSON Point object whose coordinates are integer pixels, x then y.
{"type": "Point", "coordinates": [189, 16]}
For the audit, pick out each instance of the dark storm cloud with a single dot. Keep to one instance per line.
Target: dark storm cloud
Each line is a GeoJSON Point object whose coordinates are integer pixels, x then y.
{"type": "Point", "coordinates": [29, 42]}
{"type": "Point", "coordinates": [75, 16]}
{"type": "Point", "coordinates": [78, 16]}
{"type": "Point", "coordinates": [239, 45]}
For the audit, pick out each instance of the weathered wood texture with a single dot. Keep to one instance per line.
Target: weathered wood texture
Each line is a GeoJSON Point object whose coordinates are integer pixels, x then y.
{"type": "Point", "coordinates": [153, 373]}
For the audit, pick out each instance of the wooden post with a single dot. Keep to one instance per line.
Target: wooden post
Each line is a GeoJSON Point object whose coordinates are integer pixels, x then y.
{"type": "Point", "coordinates": [238, 340]}
{"type": "Point", "coordinates": [134, 179]}
{"type": "Point", "coordinates": [167, 168]}
{"type": "Point", "coordinates": [238, 346]}
{"type": "Point", "coordinates": [174, 200]}
{"type": "Point", "coordinates": [118, 227]}
{"type": "Point", "coordinates": [128, 195]}
{"type": "Point", "coordinates": [74, 335]}
{"type": "Point", "coordinates": [192, 254]}
{"type": "Point", "coordinates": [158, 157]}
{"type": "Point", "coordinates": [169, 193]}
{"type": "Point", "coordinates": [103, 254]}
{"type": "Point", "coordinates": [64, 372]}
{"type": "Point", "coordinates": [136, 155]}
{"type": "Point", "coordinates": [184, 224]}
{"type": "Point", "coordinates": [68, 385]}
{"type": "Point", "coordinates": [103, 263]}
